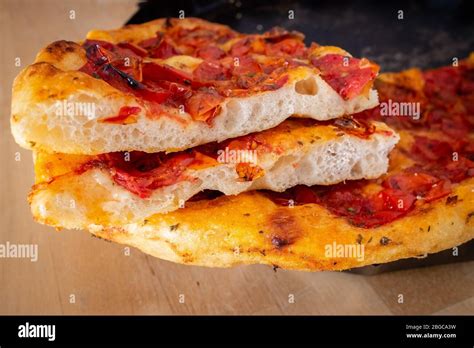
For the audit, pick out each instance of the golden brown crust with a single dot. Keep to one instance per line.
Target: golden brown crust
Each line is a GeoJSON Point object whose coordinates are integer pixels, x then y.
{"type": "Point", "coordinates": [250, 228]}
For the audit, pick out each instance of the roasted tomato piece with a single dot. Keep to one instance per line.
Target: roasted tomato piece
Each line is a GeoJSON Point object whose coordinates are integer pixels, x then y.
{"type": "Point", "coordinates": [247, 72]}
{"type": "Point", "coordinates": [305, 195]}
{"type": "Point", "coordinates": [277, 34]}
{"type": "Point", "coordinates": [126, 115]}
{"type": "Point", "coordinates": [438, 190]}
{"type": "Point", "coordinates": [119, 51]}
{"type": "Point", "coordinates": [442, 85]}
{"type": "Point", "coordinates": [144, 176]}
{"type": "Point", "coordinates": [246, 66]}
{"type": "Point", "coordinates": [123, 73]}
{"type": "Point", "coordinates": [163, 50]}
{"type": "Point", "coordinates": [118, 79]}
{"type": "Point", "coordinates": [98, 44]}
{"type": "Point", "coordinates": [290, 47]}
{"type": "Point", "coordinates": [415, 183]}
{"type": "Point", "coordinates": [204, 104]}
{"type": "Point", "coordinates": [199, 36]}
{"type": "Point", "coordinates": [155, 92]}
{"type": "Point", "coordinates": [455, 125]}
{"type": "Point", "coordinates": [210, 70]}
{"type": "Point", "coordinates": [177, 93]}
{"type": "Point", "coordinates": [241, 47]}
{"type": "Point", "coordinates": [431, 149]}
{"type": "Point", "coordinates": [159, 72]}
{"type": "Point", "coordinates": [159, 47]}
{"type": "Point", "coordinates": [131, 66]}
{"type": "Point", "coordinates": [394, 200]}
{"type": "Point", "coordinates": [134, 48]}
{"type": "Point", "coordinates": [346, 75]}
{"type": "Point", "coordinates": [455, 171]}
{"type": "Point", "coordinates": [210, 53]}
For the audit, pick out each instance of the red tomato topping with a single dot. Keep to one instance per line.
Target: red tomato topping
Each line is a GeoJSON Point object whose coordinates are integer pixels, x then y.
{"type": "Point", "coordinates": [158, 72]}
{"type": "Point", "coordinates": [134, 48]}
{"type": "Point", "coordinates": [431, 149]}
{"type": "Point", "coordinates": [163, 50]}
{"type": "Point", "coordinates": [159, 47]}
{"type": "Point", "coordinates": [142, 173]}
{"type": "Point", "coordinates": [210, 70]}
{"type": "Point", "coordinates": [204, 104]}
{"type": "Point", "coordinates": [125, 116]}
{"type": "Point", "coordinates": [442, 85]}
{"type": "Point", "coordinates": [344, 74]}
{"type": "Point", "coordinates": [210, 52]}
{"type": "Point", "coordinates": [290, 47]}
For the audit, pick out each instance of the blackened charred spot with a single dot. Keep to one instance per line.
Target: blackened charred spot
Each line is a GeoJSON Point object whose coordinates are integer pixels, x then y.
{"type": "Point", "coordinates": [279, 242]}
{"type": "Point", "coordinates": [168, 23]}
{"type": "Point", "coordinates": [101, 238]}
{"type": "Point", "coordinates": [451, 200]}
{"type": "Point", "coordinates": [174, 227]}
{"type": "Point", "coordinates": [470, 217]}
{"type": "Point", "coordinates": [283, 228]}
{"type": "Point", "coordinates": [58, 48]}
{"type": "Point", "coordinates": [385, 240]}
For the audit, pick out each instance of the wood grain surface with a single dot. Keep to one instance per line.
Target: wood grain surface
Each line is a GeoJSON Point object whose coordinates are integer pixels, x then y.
{"type": "Point", "coordinates": [78, 274]}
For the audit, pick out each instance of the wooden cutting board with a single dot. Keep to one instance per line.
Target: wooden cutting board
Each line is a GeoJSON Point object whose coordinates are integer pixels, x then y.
{"type": "Point", "coordinates": [78, 274]}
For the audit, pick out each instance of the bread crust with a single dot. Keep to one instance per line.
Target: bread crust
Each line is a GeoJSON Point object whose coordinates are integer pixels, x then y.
{"type": "Point", "coordinates": [235, 230]}
{"type": "Point", "coordinates": [54, 77]}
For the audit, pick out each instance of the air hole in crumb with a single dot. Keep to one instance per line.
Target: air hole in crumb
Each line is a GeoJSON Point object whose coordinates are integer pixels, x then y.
{"type": "Point", "coordinates": [356, 169]}
{"type": "Point", "coordinates": [307, 86]}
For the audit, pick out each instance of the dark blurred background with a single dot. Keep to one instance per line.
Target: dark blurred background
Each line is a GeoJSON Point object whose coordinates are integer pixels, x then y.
{"type": "Point", "coordinates": [430, 34]}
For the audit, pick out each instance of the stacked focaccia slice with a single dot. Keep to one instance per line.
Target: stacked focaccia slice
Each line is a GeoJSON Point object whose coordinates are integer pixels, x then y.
{"type": "Point", "coordinates": [141, 121]}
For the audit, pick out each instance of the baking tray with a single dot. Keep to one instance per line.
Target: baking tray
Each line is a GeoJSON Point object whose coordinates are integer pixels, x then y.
{"type": "Point", "coordinates": [395, 34]}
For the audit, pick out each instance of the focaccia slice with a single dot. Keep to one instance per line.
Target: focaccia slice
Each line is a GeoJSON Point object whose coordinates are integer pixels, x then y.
{"type": "Point", "coordinates": [179, 83]}
{"type": "Point", "coordinates": [121, 188]}
{"type": "Point", "coordinates": [319, 228]}
{"type": "Point", "coordinates": [424, 204]}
